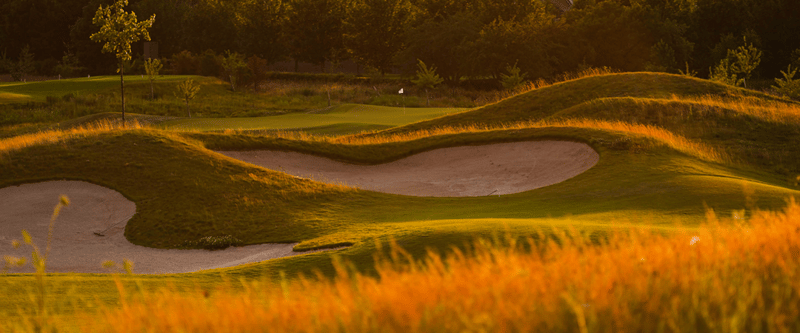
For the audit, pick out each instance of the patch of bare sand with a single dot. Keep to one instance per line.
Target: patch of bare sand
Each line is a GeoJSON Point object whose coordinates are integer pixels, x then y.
{"type": "Point", "coordinates": [93, 208]}
{"type": "Point", "coordinates": [465, 171]}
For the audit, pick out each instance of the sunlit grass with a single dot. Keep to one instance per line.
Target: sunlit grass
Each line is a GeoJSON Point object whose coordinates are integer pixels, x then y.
{"type": "Point", "coordinates": [729, 275]}
{"type": "Point", "coordinates": [672, 140]}
{"type": "Point", "coordinates": [56, 136]}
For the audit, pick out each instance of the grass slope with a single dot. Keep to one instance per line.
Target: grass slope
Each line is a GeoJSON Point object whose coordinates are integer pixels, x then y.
{"type": "Point", "coordinates": [184, 191]}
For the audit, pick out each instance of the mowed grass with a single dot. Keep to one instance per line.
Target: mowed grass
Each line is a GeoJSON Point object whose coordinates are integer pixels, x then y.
{"type": "Point", "coordinates": [346, 118]}
{"type": "Point", "coordinates": [15, 92]}
{"type": "Point", "coordinates": [647, 176]}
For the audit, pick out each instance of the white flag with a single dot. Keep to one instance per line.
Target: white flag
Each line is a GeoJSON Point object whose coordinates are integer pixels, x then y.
{"type": "Point", "coordinates": [401, 90]}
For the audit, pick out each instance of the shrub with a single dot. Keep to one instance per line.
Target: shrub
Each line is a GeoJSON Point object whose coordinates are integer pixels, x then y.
{"type": "Point", "coordinates": [184, 63]}
{"type": "Point", "coordinates": [214, 242]}
{"type": "Point", "coordinates": [788, 86]}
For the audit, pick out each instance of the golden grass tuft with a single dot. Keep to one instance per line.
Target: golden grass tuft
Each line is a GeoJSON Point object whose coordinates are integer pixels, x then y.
{"type": "Point", "coordinates": [729, 275]}
{"type": "Point", "coordinates": [56, 136]}
{"type": "Point", "coordinates": [664, 136]}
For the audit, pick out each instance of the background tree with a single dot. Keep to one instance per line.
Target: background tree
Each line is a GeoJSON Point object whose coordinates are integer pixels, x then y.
{"type": "Point", "coordinates": [24, 65]}
{"type": "Point", "coordinates": [151, 67]}
{"type": "Point", "coordinates": [374, 31]}
{"type": "Point", "coordinates": [5, 63]}
{"type": "Point", "coordinates": [234, 67]}
{"type": "Point", "coordinates": [186, 91]}
{"type": "Point", "coordinates": [262, 29]}
{"type": "Point", "coordinates": [441, 42]}
{"type": "Point", "coordinates": [258, 71]}
{"type": "Point", "coordinates": [118, 29]}
{"type": "Point", "coordinates": [427, 79]}
{"type": "Point", "coordinates": [321, 40]}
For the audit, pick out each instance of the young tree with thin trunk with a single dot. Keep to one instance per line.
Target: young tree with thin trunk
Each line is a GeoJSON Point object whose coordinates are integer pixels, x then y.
{"type": "Point", "coordinates": [187, 90]}
{"type": "Point", "coordinates": [745, 60]}
{"type": "Point", "coordinates": [24, 65]}
{"type": "Point", "coordinates": [234, 64]}
{"type": "Point", "coordinates": [427, 79]}
{"type": "Point", "coordinates": [152, 66]}
{"type": "Point", "coordinates": [118, 29]}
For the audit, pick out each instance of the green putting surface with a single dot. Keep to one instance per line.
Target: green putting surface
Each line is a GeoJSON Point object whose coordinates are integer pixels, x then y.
{"type": "Point", "coordinates": [357, 116]}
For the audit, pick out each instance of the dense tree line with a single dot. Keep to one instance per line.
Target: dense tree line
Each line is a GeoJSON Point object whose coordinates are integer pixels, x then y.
{"type": "Point", "coordinates": [461, 38]}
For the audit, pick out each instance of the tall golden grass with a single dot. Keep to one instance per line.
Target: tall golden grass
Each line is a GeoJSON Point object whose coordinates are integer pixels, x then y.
{"type": "Point", "coordinates": [56, 136]}
{"type": "Point", "coordinates": [656, 133]}
{"type": "Point", "coordinates": [775, 111]}
{"type": "Point", "coordinates": [729, 275]}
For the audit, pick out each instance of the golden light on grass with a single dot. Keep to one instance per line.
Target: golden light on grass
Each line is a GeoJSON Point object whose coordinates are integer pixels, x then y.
{"type": "Point", "coordinates": [671, 139]}
{"type": "Point", "coordinates": [55, 136]}
{"type": "Point", "coordinates": [726, 276]}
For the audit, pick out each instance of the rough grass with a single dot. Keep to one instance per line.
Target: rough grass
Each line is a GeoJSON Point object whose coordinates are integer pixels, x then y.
{"type": "Point", "coordinates": [744, 277]}
{"type": "Point", "coordinates": [652, 172]}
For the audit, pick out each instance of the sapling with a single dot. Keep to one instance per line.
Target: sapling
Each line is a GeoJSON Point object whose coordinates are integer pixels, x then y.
{"type": "Point", "coordinates": [788, 86]}
{"type": "Point", "coordinates": [152, 66]}
{"type": "Point", "coordinates": [513, 79]}
{"type": "Point", "coordinates": [187, 91]}
{"type": "Point", "coordinates": [118, 29]}
{"type": "Point", "coordinates": [427, 79]}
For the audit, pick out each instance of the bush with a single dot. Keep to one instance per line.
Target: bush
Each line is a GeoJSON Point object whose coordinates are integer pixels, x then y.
{"type": "Point", "coordinates": [210, 64]}
{"type": "Point", "coordinates": [788, 86]}
{"type": "Point", "coordinates": [214, 242]}
{"type": "Point", "coordinates": [184, 63]}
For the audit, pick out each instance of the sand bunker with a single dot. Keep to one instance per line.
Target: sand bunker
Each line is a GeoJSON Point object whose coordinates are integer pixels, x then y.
{"type": "Point", "coordinates": [467, 171]}
{"type": "Point", "coordinates": [93, 208]}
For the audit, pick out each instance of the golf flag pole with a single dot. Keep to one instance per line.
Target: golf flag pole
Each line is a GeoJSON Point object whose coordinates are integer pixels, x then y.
{"type": "Point", "coordinates": [404, 100]}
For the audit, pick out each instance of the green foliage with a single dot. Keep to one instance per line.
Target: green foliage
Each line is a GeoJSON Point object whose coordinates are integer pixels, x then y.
{"type": "Point", "coordinates": [258, 71]}
{"type": "Point", "coordinates": [444, 43]}
{"type": "Point", "coordinates": [118, 29]}
{"type": "Point", "coordinates": [234, 65]}
{"type": "Point", "coordinates": [688, 72]}
{"type": "Point", "coordinates": [68, 66]}
{"type": "Point", "coordinates": [788, 86]}
{"type": "Point", "coordinates": [725, 73]}
{"type": "Point", "coordinates": [514, 79]}
{"type": "Point", "coordinates": [796, 58]}
{"type": "Point", "coordinates": [187, 90]}
{"type": "Point", "coordinates": [24, 65]}
{"type": "Point", "coordinates": [426, 79]}
{"type": "Point", "coordinates": [321, 40]}
{"type": "Point", "coordinates": [214, 242]}
{"type": "Point", "coordinates": [184, 63]}
{"type": "Point", "coordinates": [374, 31]}
{"type": "Point", "coordinates": [152, 67]}
{"type": "Point", "coordinates": [262, 28]}
{"type": "Point", "coordinates": [745, 60]}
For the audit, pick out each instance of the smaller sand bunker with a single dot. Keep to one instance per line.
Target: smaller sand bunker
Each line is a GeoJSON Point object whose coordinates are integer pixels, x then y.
{"type": "Point", "coordinates": [466, 171]}
{"type": "Point", "coordinates": [96, 209]}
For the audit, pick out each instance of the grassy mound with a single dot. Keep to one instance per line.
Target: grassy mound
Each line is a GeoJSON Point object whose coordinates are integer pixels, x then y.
{"type": "Point", "coordinates": [669, 147]}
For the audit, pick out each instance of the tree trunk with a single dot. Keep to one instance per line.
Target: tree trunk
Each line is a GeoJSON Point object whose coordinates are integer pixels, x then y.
{"type": "Point", "coordinates": [329, 95]}
{"type": "Point", "coordinates": [428, 98]}
{"type": "Point", "coordinates": [122, 89]}
{"type": "Point", "coordinates": [187, 109]}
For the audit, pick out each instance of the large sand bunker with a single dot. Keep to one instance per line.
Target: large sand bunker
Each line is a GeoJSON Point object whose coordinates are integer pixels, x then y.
{"type": "Point", "coordinates": [466, 171]}
{"type": "Point", "coordinates": [93, 208]}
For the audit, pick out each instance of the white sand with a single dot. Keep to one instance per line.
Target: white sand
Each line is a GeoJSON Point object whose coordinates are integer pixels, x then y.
{"type": "Point", "coordinates": [93, 208]}
{"type": "Point", "coordinates": [466, 171]}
